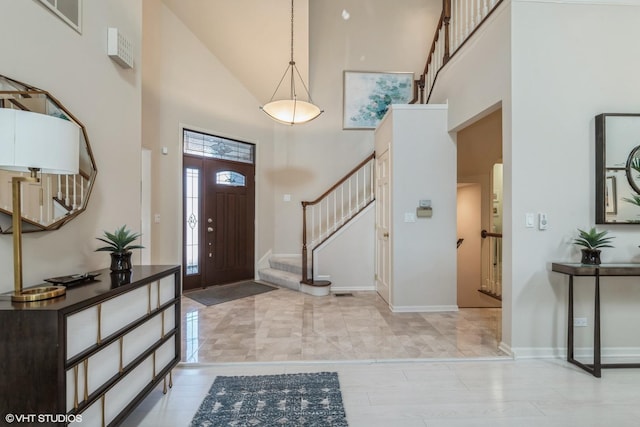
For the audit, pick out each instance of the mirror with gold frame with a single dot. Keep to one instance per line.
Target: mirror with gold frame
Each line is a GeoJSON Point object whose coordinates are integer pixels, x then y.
{"type": "Point", "coordinates": [56, 199]}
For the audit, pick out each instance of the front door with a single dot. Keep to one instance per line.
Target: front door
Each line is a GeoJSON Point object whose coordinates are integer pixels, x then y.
{"type": "Point", "coordinates": [219, 215]}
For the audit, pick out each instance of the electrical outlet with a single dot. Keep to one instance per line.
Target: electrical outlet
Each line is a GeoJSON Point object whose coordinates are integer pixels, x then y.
{"type": "Point", "coordinates": [580, 321]}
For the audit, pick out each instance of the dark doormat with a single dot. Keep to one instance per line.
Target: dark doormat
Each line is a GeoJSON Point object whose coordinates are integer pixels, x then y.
{"type": "Point", "coordinates": [310, 399]}
{"type": "Point", "coordinates": [218, 294]}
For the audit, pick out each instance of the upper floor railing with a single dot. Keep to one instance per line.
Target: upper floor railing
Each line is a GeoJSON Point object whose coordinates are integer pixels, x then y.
{"type": "Point", "coordinates": [458, 21]}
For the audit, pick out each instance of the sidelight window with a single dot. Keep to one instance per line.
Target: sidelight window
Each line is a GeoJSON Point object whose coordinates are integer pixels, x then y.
{"type": "Point", "coordinates": [192, 224]}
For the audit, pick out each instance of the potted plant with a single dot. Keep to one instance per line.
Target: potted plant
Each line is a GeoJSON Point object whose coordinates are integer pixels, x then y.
{"type": "Point", "coordinates": [119, 243]}
{"type": "Point", "coordinates": [592, 240]}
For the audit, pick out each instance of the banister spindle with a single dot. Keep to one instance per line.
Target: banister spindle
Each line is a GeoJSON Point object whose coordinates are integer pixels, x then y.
{"type": "Point", "coordinates": [446, 7]}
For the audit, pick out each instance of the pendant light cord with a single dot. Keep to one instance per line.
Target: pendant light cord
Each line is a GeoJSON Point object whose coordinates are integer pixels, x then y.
{"type": "Point", "coordinates": [292, 62]}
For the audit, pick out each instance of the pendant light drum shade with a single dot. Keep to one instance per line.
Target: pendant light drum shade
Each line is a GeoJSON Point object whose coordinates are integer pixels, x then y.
{"type": "Point", "coordinates": [291, 110]}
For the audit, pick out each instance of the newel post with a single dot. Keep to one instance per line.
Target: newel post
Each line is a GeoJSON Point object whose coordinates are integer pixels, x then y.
{"type": "Point", "coordinates": [304, 241]}
{"type": "Point", "coordinates": [446, 18]}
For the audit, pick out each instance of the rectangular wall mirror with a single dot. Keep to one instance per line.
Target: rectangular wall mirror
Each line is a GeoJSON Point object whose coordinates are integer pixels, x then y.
{"type": "Point", "coordinates": [617, 168]}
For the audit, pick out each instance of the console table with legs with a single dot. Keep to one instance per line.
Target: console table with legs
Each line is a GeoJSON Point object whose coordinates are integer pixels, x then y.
{"type": "Point", "coordinates": [595, 271]}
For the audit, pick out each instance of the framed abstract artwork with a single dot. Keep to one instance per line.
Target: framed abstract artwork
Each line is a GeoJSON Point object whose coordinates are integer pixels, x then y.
{"type": "Point", "coordinates": [367, 96]}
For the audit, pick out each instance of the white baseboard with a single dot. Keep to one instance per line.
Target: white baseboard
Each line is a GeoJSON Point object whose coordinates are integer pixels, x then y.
{"type": "Point", "coordinates": [263, 262]}
{"type": "Point", "coordinates": [582, 353]}
{"type": "Point", "coordinates": [422, 308]}
{"type": "Point", "coordinates": [352, 288]}
{"type": "Point", "coordinates": [505, 348]}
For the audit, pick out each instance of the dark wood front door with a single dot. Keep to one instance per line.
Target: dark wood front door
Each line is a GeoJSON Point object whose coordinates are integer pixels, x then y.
{"type": "Point", "coordinates": [219, 222]}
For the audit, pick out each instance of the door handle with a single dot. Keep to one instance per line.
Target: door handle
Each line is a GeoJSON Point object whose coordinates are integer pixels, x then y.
{"type": "Point", "coordinates": [209, 229]}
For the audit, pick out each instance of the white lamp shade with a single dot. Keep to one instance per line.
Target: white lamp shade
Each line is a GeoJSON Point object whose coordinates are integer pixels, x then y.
{"type": "Point", "coordinates": [34, 140]}
{"type": "Point", "coordinates": [291, 111]}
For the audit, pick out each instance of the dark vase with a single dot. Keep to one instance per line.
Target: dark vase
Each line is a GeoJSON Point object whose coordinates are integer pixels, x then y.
{"type": "Point", "coordinates": [120, 261]}
{"type": "Point", "coordinates": [590, 256]}
{"type": "Point", "coordinates": [119, 278]}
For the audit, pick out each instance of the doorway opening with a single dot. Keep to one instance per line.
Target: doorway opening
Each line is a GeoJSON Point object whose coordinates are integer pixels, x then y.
{"type": "Point", "coordinates": [479, 212]}
{"type": "Point", "coordinates": [218, 210]}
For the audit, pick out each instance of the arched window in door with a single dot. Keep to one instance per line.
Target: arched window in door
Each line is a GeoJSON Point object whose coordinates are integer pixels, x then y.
{"type": "Point", "coordinates": [231, 178]}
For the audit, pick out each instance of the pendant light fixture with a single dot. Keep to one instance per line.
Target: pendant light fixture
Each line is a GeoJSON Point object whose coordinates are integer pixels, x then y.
{"type": "Point", "coordinates": [291, 110]}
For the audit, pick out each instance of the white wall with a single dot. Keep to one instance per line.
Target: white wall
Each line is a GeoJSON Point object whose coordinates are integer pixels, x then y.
{"type": "Point", "coordinates": [570, 62]}
{"type": "Point", "coordinates": [184, 84]}
{"type": "Point", "coordinates": [552, 66]}
{"type": "Point", "coordinates": [347, 258]}
{"type": "Point", "coordinates": [423, 167]}
{"type": "Point", "coordinates": [38, 48]}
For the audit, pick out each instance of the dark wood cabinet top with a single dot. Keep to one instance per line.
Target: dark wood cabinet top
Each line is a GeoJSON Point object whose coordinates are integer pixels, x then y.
{"type": "Point", "coordinates": [105, 286]}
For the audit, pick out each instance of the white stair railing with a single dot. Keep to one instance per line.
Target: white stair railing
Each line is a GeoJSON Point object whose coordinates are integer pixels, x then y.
{"type": "Point", "coordinates": [324, 216]}
{"type": "Point", "coordinates": [492, 284]}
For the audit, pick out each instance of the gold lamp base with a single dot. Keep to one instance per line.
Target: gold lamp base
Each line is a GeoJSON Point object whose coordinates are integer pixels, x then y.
{"type": "Point", "coordinates": [39, 293]}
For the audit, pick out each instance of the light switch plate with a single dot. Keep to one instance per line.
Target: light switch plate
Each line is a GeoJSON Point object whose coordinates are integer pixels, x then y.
{"type": "Point", "coordinates": [529, 220]}
{"type": "Point", "coordinates": [409, 217]}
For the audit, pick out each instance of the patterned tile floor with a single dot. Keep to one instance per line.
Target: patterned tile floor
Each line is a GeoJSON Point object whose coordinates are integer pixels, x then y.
{"type": "Point", "coordinates": [285, 325]}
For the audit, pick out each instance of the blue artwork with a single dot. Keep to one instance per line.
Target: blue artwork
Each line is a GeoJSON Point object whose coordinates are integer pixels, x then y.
{"type": "Point", "coordinates": [367, 96]}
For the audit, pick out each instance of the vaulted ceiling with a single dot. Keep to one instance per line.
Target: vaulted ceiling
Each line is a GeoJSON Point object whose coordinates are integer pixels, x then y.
{"type": "Point", "coordinates": [252, 37]}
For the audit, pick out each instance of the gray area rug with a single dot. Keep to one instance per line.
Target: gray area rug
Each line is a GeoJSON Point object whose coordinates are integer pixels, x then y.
{"type": "Point", "coordinates": [288, 400]}
{"type": "Point", "coordinates": [223, 293]}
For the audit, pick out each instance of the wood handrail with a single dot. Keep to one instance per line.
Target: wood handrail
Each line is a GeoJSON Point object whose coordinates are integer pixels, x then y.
{"type": "Point", "coordinates": [485, 234]}
{"type": "Point", "coordinates": [342, 180]}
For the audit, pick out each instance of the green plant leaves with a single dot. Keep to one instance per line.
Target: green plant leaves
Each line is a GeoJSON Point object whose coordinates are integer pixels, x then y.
{"type": "Point", "coordinates": [593, 239]}
{"type": "Point", "coordinates": [119, 241]}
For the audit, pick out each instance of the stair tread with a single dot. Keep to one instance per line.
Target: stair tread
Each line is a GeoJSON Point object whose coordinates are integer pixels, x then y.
{"type": "Point", "coordinates": [280, 277]}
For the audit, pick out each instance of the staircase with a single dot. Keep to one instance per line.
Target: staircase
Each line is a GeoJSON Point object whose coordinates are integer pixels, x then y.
{"type": "Point", "coordinates": [286, 272]}
{"type": "Point", "coordinates": [321, 219]}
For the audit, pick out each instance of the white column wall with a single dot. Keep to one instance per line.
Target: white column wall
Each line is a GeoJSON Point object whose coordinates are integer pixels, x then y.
{"type": "Point", "coordinates": [423, 167]}
{"type": "Point", "coordinates": [475, 83]}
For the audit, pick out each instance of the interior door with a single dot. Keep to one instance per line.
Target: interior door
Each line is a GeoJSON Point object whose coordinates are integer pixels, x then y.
{"type": "Point", "coordinates": [219, 212]}
{"type": "Point", "coordinates": [383, 220]}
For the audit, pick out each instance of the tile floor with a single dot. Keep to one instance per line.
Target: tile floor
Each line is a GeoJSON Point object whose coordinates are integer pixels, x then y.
{"type": "Point", "coordinates": [395, 369]}
{"type": "Point", "coordinates": [284, 325]}
{"type": "Point", "coordinates": [472, 393]}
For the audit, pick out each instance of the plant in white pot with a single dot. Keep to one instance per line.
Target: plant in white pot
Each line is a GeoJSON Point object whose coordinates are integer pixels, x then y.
{"type": "Point", "coordinates": [592, 240]}
{"type": "Point", "coordinates": [119, 243]}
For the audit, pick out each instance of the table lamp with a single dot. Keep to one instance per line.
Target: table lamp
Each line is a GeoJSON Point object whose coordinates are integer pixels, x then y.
{"type": "Point", "coordinates": [34, 142]}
